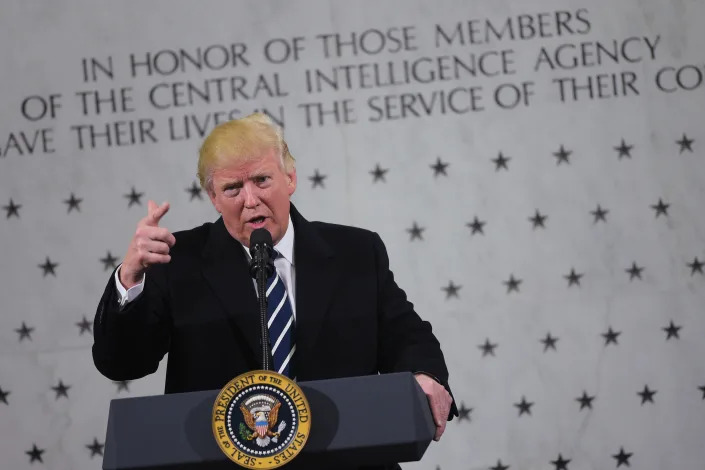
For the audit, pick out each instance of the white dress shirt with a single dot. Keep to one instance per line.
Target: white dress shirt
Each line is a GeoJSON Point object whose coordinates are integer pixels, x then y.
{"type": "Point", "coordinates": [284, 264]}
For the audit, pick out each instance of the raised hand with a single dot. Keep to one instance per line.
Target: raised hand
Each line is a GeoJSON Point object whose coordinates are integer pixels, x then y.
{"type": "Point", "coordinates": [150, 245]}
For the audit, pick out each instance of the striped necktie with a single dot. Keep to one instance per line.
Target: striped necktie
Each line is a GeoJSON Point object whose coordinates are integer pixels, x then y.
{"type": "Point", "coordinates": [280, 321]}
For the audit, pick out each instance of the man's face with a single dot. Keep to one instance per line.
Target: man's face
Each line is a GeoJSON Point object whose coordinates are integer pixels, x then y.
{"type": "Point", "coordinates": [254, 194]}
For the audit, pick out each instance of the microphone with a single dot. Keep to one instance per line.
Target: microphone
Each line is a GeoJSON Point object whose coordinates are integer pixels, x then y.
{"type": "Point", "coordinates": [261, 267]}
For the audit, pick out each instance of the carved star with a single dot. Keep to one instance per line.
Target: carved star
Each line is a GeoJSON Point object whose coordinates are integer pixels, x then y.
{"type": "Point", "coordinates": [73, 203]}
{"type": "Point", "coordinates": [538, 220]}
{"type": "Point", "coordinates": [524, 406]}
{"type": "Point", "coordinates": [464, 413]}
{"type": "Point", "coordinates": [109, 262]}
{"type": "Point", "coordinates": [634, 271]}
{"type": "Point", "coordinates": [25, 332]}
{"type": "Point", "coordinates": [133, 197]}
{"type": "Point", "coordinates": [451, 290]}
{"type": "Point", "coordinates": [599, 214]}
{"type": "Point", "coordinates": [194, 193]}
{"type": "Point", "coordinates": [487, 348]}
{"type": "Point", "coordinates": [415, 232]}
{"type": "Point", "coordinates": [661, 208]}
{"type": "Point", "coordinates": [611, 336]}
{"type": "Point", "coordinates": [122, 385]}
{"type": "Point", "coordinates": [549, 342]}
{"type": "Point", "coordinates": [622, 457]}
{"type": "Point", "coordinates": [378, 174]}
{"type": "Point", "coordinates": [12, 209]}
{"type": "Point", "coordinates": [696, 266]}
{"type": "Point", "coordinates": [96, 448]}
{"type": "Point", "coordinates": [685, 144]}
{"type": "Point", "coordinates": [573, 277]}
{"type": "Point", "coordinates": [61, 390]}
{"type": "Point", "coordinates": [476, 226]}
{"type": "Point", "coordinates": [85, 325]}
{"type": "Point", "coordinates": [585, 400]}
{"type": "Point", "coordinates": [501, 162]}
{"type": "Point", "coordinates": [499, 466]}
{"type": "Point", "coordinates": [624, 150]}
{"type": "Point", "coordinates": [672, 331]}
{"type": "Point", "coordinates": [702, 389]}
{"type": "Point", "coordinates": [512, 284]}
{"type": "Point", "coordinates": [647, 395]}
{"type": "Point", "coordinates": [48, 267]}
{"type": "Point", "coordinates": [439, 168]}
{"type": "Point", "coordinates": [35, 454]}
{"type": "Point", "coordinates": [562, 155]}
{"type": "Point", "coordinates": [3, 395]}
{"type": "Point", "coordinates": [560, 463]}
{"type": "Point", "coordinates": [317, 179]}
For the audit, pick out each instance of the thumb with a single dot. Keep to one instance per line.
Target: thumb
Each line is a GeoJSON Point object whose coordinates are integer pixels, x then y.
{"type": "Point", "coordinates": [155, 213]}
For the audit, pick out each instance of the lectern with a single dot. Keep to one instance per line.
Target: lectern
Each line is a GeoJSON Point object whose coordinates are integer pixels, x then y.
{"type": "Point", "coordinates": [355, 421]}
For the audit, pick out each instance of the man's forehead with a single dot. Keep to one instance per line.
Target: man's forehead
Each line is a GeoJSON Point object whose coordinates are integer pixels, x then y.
{"type": "Point", "coordinates": [246, 168]}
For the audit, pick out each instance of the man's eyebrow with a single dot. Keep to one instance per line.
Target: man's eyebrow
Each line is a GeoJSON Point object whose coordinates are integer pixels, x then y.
{"type": "Point", "coordinates": [231, 184]}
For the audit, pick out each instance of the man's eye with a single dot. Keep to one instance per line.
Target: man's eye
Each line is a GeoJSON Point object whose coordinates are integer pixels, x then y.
{"type": "Point", "coordinates": [261, 179]}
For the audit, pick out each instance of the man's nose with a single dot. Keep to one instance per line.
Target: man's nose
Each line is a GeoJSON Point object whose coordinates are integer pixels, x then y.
{"type": "Point", "coordinates": [251, 197]}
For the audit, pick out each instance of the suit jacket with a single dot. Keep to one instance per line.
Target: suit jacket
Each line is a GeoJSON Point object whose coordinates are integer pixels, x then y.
{"type": "Point", "coordinates": [351, 317]}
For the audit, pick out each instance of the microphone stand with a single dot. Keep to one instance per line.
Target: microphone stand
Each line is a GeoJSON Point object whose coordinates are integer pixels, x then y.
{"type": "Point", "coordinates": [261, 267]}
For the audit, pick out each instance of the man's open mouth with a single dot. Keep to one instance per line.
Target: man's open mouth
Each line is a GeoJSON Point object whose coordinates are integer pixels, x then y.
{"type": "Point", "coordinates": [256, 220]}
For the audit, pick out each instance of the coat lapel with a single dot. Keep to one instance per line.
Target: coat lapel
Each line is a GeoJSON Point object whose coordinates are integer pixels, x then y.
{"type": "Point", "coordinates": [226, 268]}
{"type": "Point", "coordinates": [316, 277]}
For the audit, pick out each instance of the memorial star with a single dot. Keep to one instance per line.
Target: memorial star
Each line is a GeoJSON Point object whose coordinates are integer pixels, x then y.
{"type": "Point", "coordinates": [317, 179]}
{"type": "Point", "coordinates": [573, 277]}
{"type": "Point", "coordinates": [96, 448]}
{"type": "Point", "coordinates": [48, 267]}
{"type": "Point", "coordinates": [560, 463]}
{"type": "Point", "coordinates": [702, 389]}
{"type": "Point", "coordinates": [25, 332]}
{"type": "Point", "coordinates": [562, 155]}
{"type": "Point", "coordinates": [3, 395]}
{"type": "Point", "coordinates": [12, 209]}
{"type": "Point", "coordinates": [624, 150]}
{"type": "Point", "coordinates": [476, 226]}
{"type": "Point", "coordinates": [464, 413]}
{"type": "Point", "coordinates": [378, 174]}
{"type": "Point", "coordinates": [415, 232]}
{"type": "Point", "coordinates": [646, 395]}
{"type": "Point", "coordinates": [439, 168]}
{"type": "Point", "coordinates": [85, 325]}
{"type": "Point", "coordinates": [599, 214]}
{"type": "Point", "coordinates": [524, 406]}
{"type": "Point", "coordinates": [501, 162]}
{"type": "Point", "coordinates": [109, 262]}
{"type": "Point", "coordinates": [611, 336]}
{"type": "Point", "coordinates": [585, 400]}
{"type": "Point", "coordinates": [122, 385]}
{"type": "Point", "coordinates": [672, 331]}
{"type": "Point", "coordinates": [73, 203]}
{"type": "Point", "coordinates": [487, 348]}
{"type": "Point", "coordinates": [661, 208]}
{"type": "Point", "coordinates": [35, 454]}
{"type": "Point", "coordinates": [685, 144]}
{"type": "Point", "coordinates": [451, 290]}
{"type": "Point", "coordinates": [499, 466]}
{"type": "Point", "coordinates": [549, 342]}
{"type": "Point", "coordinates": [696, 266]}
{"type": "Point", "coordinates": [622, 457]}
{"type": "Point", "coordinates": [538, 220]}
{"type": "Point", "coordinates": [133, 198]}
{"type": "Point", "coordinates": [194, 191]}
{"type": "Point", "coordinates": [634, 271]}
{"type": "Point", "coordinates": [512, 284]}
{"type": "Point", "coordinates": [61, 390]}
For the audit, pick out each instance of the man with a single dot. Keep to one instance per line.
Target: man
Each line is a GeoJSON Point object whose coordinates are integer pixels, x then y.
{"type": "Point", "coordinates": [190, 294]}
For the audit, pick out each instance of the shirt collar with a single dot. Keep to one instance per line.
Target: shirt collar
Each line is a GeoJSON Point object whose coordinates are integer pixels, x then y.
{"type": "Point", "coordinates": [285, 247]}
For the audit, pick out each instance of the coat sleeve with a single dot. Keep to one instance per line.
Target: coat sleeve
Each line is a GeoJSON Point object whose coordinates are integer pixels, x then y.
{"type": "Point", "coordinates": [128, 343]}
{"type": "Point", "coordinates": [405, 341]}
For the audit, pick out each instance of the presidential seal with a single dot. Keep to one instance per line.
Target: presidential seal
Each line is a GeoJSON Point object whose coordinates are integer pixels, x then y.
{"type": "Point", "coordinates": [261, 419]}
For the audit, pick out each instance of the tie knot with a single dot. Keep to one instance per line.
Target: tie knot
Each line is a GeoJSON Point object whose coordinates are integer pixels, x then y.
{"type": "Point", "coordinates": [275, 254]}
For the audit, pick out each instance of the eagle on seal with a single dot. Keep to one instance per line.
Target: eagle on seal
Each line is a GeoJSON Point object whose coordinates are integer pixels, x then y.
{"type": "Point", "coordinates": [261, 424]}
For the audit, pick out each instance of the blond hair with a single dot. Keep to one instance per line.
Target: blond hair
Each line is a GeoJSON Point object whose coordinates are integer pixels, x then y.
{"type": "Point", "coordinates": [241, 140]}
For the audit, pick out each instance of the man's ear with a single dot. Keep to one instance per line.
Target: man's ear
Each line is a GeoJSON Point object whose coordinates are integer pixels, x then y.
{"type": "Point", "coordinates": [291, 181]}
